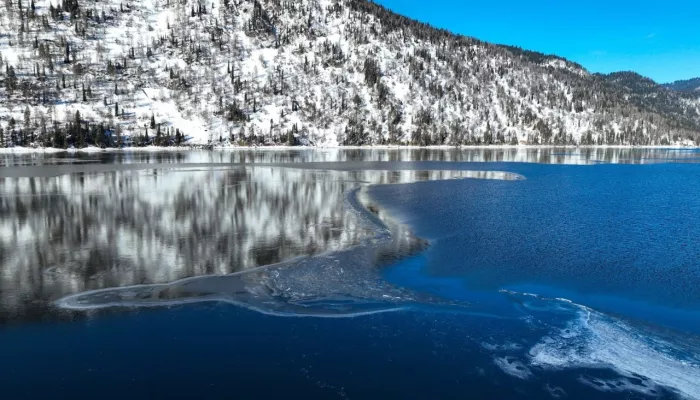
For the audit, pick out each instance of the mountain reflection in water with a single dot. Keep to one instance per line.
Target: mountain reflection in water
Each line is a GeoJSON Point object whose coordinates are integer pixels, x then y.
{"type": "Point", "coordinates": [542, 155]}
{"type": "Point", "coordinates": [114, 227]}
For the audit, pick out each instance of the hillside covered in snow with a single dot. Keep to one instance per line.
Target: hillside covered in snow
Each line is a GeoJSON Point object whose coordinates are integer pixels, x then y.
{"type": "Point", "coordinates": [113, 73]}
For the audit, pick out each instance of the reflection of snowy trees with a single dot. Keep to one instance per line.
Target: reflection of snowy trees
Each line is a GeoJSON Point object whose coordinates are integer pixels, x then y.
{"type": "Point", "coordinates": [79, 232]}
{"type": "Point", "coordinates": [83, 231]}
{"type": "Point", "coordinates": [351, 158]}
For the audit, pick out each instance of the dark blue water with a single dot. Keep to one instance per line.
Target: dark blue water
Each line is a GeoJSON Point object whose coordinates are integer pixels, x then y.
{"type": "Point", "coordinates": [583, 282]}
{"type": "Point", "coordinates": [225, 352]}
{"type": "Point", "coordinates": [619, 238]}
{"type": "Point", "coordinates": [615, 249]}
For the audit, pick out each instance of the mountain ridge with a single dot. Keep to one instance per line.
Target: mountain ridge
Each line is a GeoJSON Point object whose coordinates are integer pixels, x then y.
{"type": "Point", "coordinates": [685, 85]}
{"type": "Point", "coordinates": [313, 72]}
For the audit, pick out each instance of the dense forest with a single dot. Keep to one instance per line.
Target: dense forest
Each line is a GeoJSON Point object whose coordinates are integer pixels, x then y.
{"type": "Point", "coordinates": [115, 73]}
{"type": "Point", "coordinates": [690, 85]}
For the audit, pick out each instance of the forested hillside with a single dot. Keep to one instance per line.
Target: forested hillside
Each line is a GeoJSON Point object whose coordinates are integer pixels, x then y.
{"type": "Point", "coordinates": [111, 73]}
{"type": "Point", "coordinates": [690, 85]}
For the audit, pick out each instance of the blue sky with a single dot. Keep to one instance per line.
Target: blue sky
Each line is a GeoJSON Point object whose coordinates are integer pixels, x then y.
{"type": "Point", "coordinates": [658, 39]}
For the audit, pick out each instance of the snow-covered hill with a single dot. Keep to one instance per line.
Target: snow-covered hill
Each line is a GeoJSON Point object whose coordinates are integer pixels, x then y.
{"type": "Point", "coordinates": [321, 72]}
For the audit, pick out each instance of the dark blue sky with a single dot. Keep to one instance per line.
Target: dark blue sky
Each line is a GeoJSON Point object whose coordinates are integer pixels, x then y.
{"type": "Point", "coordinates": [659, 39]}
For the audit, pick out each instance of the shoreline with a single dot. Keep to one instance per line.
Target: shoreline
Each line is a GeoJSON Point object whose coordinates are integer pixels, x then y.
{"type": "Point", "coordinates": [155, 149]}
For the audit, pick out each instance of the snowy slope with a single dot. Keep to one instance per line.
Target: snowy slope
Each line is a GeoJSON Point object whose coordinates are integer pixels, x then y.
{"type": "Point", "coordinates": [320, 72]}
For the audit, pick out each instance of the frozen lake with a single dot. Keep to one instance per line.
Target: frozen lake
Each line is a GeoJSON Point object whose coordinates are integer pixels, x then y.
{"type": "Point", "coordinates": [510, 273]}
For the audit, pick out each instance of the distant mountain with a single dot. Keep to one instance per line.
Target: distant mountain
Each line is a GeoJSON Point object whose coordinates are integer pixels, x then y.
{"type": "Point", "coordinates": [324, 72]}
{"type": "Point", "coordinates": [633, 82]}
{"type": "Point", "coordinates": [646, 93]}
{"type": "Point", "coordinates": [690, 85]}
